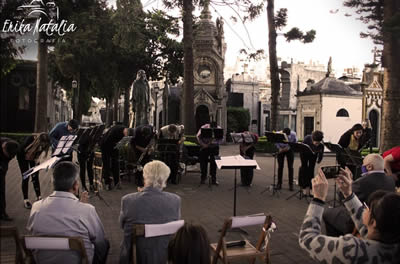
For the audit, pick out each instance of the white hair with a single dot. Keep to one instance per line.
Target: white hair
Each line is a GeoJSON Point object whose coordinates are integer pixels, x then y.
{"type": "Point", "coordinates": [155, 174]}
{"type": "Point", "coordinates": [375, 160]}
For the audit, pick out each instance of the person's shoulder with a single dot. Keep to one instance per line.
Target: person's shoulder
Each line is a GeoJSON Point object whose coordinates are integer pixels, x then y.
{"type": "Point", "coordinates": [131, 196]}
{"type": "Point", "coordinates": [172, 196]}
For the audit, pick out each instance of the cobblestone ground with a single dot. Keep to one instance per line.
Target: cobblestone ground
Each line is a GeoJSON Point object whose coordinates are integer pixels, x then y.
{"type": "Point", "coordinates": [200, 204]}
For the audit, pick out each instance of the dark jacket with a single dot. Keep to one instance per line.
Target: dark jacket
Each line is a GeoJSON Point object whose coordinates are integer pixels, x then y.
{"type": "Point", "coordinates": [21, 151]}
{"type": "Point", "coordinates": [318, 150]}
{"type": "Point", "coordinates": [344, 140]}
{"type": "Point", "coordinates": [112, 137]}
{"type": "Point", "coordinates": [3, 159]}
{"type": "Point", "coordinates": [59, 130]}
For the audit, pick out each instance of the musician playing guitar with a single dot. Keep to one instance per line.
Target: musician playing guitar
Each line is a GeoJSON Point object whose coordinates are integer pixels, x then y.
{"type": "Point", "coordinates": [209, 148]}
{"type": "Point", "coordinates": [141, 143]}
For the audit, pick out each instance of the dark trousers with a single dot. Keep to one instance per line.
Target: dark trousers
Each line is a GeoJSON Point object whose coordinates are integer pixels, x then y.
{"type": "Point", "coordinates": [3, 173]}
{"type": "Point", "coordinates": [281, 158]}
{"type": "Point", "coordinates": [246, 174]}
{"type": "Point", "coordinates": [86, 163]}
{"type": "Point", "coordinates": [25, 165]}
{"type": "Point", "coordinates": [110, 165]}
{"type": "Point", "coordinates": [306, 172]}
{"type": "Point", "coordinates": [208, 154]}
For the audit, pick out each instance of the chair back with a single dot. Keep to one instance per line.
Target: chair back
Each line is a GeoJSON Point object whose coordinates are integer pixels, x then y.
{"type": "Point", "coordinates": [245, 248]}
{"type": "Point", "coordinates": [7, 256]}
{"type": "Point", "coordinates": [55, 243]}
{"type": "Point", "coordinates": [152, 230]}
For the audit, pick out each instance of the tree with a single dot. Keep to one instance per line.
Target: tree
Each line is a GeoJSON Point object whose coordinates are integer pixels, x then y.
{"type": "Point", "coordinates": [275, 22]}
{"type": "Point", "coordinates": [383, 19]}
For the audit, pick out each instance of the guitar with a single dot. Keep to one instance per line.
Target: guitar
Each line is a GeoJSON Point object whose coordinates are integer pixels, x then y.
{"type": "Point", "coordinates": [149, 146]}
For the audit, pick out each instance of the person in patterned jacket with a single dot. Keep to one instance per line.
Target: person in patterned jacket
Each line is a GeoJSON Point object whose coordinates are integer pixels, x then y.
{"type": "Point", "coordinates": [377, 222]}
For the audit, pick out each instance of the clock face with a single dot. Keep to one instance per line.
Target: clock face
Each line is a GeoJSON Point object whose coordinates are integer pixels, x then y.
{"type": "Point", "coordinates": [203, 71]}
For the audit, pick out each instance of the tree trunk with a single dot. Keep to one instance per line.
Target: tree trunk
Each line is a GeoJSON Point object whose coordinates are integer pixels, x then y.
{"type": "Point", "coordinates": [108, 112]}
{"type": "Point", "coordinates": [41, 87]}
{"type": "Point", "coordinates": [126, 106]}
{"type": "Point", "coordinates": [391, 88]}
{"type": "Point", "coordinates": [273, 65]}
{"type": "Point", "coordinates": [188, 86]}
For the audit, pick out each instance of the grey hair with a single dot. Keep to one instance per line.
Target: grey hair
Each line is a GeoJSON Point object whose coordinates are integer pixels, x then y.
{"type": "Point", "coordinates": [155, 174]}
{"type": "Point", "coordinates": [64, 176]}
{"type": "Point", "coordinates": [375, 160]}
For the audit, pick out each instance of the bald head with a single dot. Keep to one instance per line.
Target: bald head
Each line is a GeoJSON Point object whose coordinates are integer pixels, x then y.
{"type": "Point", "coordinates": [373, 162]}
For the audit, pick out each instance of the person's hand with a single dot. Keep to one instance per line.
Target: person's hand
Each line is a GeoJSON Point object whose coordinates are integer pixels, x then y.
{"type": "Point", "coordinates": [320, 186]}
{"type": "Point", "coordinates": [84, 197]}
{"type": "Point", "coordinates": [140, 189]}
{"type": "Point", "coordinates": [344, 181]}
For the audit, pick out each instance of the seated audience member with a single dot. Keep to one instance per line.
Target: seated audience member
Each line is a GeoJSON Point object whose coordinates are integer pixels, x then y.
{"type": "Point", "coordinates": [189, 245]}
{"type": "Point", "coordinates": [337, 220]}
{"type": "Point", "coordinates": [392, 164]}
{"type": "Point", "coordinates": [149, 206]}
{"type": "Point", "coordinates": [63, 214]}
{"type": "Point", "coordinates": [377, 221]}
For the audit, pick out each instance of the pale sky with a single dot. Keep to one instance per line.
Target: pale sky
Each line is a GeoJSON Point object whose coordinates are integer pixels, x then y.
{"type": "Point", "coordinates": [337, 35]}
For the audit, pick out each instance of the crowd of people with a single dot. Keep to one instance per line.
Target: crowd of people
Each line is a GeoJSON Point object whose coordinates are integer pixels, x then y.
{"type": "Point", "coordinates": [364, 227]}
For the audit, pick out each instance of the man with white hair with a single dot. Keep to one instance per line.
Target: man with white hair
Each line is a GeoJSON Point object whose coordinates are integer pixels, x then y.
{"type": "Point", "coordinates": [337, 220]}
{"type": "Point", "coordinates": [151, 205]}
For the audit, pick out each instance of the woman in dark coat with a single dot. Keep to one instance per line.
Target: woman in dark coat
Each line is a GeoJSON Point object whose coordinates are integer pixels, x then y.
{"type": "Point", "coordinates": [28, 157]}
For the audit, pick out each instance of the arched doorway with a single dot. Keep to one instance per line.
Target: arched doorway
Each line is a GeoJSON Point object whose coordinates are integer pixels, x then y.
{"type": "Point", "coordinates": [374, 120]}
{"type": "Point", "coordinates": [202, 116]}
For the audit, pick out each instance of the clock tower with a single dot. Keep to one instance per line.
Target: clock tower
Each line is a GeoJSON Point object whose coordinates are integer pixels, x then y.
{"type": "Point", "coordinates": [209, 50]}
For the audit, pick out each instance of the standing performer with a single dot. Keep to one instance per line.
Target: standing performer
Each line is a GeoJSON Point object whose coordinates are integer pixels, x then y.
{"type": "Point", "coordinates": [172, 131]}
{"type": "Point", "coordinates": [247, 151]}
{"type": "Point", "coordinates": [141, 99]}
{"type": "Point", "coordinates": [209, 149]}
{"type": "Point", "coordinates": [27, 156]}
{"type": "Point", "coordinates": [109, 154]}
{"type": "Point", "coordinates": [8, 149]}
{"type": "Point", "coordinates": [62, 129]}
{"type": "Point", "coordinates": [85, 159]}
{"type": "Point", "coordinates": [352, 140]}
{"type": "Point", "coordinates": [141, 143]}
{"type": "Point", "coordinates": [308, 160]}
{"type": "Point", "coordinates": [284, 150]}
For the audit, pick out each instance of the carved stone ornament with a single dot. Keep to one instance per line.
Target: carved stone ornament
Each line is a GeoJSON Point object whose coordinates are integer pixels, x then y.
{"type": "Point", "coordinates": [204, 71]}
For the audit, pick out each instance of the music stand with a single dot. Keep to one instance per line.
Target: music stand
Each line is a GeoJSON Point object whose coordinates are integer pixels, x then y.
{"type": "Point", "coordinates": [206, 133]}
{"type": "Point", "coordinates": [274, 138]}
{"type": "Point", "coordinates": [305, 149]}
{"type": "Point", "coordinates": [218, 133]}
{"type": "Point", "coordinates": [235, 162]}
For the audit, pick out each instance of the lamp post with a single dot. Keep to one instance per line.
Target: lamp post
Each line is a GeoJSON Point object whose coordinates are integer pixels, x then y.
{"type": "Point", "coordinates": [74, 86]}
{"type": "Point", "coordinates": [156, 89]}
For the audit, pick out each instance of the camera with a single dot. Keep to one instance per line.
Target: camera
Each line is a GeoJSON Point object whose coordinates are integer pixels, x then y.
{"type": "Point", "coordinates": [330, 172]}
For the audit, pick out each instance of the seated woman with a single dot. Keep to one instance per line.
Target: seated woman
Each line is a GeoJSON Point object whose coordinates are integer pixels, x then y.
{"type": "Point", "coordinates": [28, 157]}
{"type": "Point", "coordinates": [189, 245]}
{"type": "Point", "coordinates": [149, 206]}
{"type": "Point", "coordinates": [377, 222]}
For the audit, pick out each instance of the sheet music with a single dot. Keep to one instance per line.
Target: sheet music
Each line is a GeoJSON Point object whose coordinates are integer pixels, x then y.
{"type": "Point", "coordinates": [231, 161]}
{"type": "Point", "coordinates": [43, 166]}
{"type": "Point", "coordinates": [248, 220]}
{"type": "Point", "coordinates": [151, 230]}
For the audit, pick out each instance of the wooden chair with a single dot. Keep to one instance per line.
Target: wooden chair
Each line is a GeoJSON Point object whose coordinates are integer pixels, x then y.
{"type": "Point", "coordinates": [55, 243]}
{"type": "Point", "coordinates": [11, 256]}
{"type": "Point", "coordinates": [248, 251]}
{"type": "Point", "coordinates": [152, 230]}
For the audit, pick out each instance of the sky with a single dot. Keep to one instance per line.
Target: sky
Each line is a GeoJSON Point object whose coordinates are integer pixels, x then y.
{"type": "Point", "coordinates": [337, 35]}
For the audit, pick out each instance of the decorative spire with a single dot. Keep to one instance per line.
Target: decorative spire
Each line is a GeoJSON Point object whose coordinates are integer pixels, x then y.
{"type": "Point", "coordinates": [206, 14]}
{"type": "Point", "coordinates": [329, 70]}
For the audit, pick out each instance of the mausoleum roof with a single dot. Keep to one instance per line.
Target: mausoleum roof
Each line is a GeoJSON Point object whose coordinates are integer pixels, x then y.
{"type": "Point", "coordinates": [332, 86]}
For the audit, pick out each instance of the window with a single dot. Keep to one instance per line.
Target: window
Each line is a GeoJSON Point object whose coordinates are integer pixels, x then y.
{"type": "Point", "coordinates": [342, 113]}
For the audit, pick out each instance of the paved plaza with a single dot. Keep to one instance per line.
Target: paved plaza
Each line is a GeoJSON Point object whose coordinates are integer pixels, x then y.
{"type": "Point", "coordinates": [200, 204]}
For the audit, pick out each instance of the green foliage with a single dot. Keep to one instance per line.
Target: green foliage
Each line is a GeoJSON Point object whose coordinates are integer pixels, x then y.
{"type": "Point", "coordinates": [365, 152]}
{"type": "Point", "coordinates": [238, 119]}
{"type": "Point", "coordinates": [189, 143]}
{"type": "Point", "coordinates": [19, 137]}
{"type": "Point", "coordinates": [191, 138]}
{"type": "Point", "coordinates": [264, 146]}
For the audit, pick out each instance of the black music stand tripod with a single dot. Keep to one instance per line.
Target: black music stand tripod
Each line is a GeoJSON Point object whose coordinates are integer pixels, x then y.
{"type": "Point", "coordinates": [274, 138]}
{"type": "Point", "coordinates": [305, 150]}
